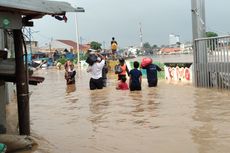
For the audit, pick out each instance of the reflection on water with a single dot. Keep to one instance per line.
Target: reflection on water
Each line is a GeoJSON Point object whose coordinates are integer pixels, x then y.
{"type": "Point", "coordinates": [213, 114]}
{"type": "Point", "coordinates": [70, 88]}
{"type": "Point", "coordinates": [167, 119]}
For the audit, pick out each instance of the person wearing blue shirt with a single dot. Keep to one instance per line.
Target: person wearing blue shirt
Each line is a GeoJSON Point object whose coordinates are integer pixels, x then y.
{"type": "Point", "coordinates": [151, 70]}
{"type": "Point", "coordinates": [135, 77]}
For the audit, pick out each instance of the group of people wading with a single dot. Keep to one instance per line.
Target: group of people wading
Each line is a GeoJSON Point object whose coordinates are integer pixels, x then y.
{"type": "Point", "coordinates": [99, 68]}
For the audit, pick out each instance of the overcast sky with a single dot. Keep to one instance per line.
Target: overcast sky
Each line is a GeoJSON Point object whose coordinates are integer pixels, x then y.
{"type": "Point", "coordinates": [104, 19]}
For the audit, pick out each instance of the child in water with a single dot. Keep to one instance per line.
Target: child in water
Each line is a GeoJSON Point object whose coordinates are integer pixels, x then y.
{"type": "Point", "coordinates": [122, 85]}
{"type": "Point", "coordinates": [135, 77]}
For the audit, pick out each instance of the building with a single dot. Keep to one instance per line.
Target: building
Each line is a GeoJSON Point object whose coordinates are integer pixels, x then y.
{"type": "Point", "coordinates": [169, 51]}
{"type": "Point", "coordinates": [173, 40]}
{"type": "Point", "coordinates": [32, 46]}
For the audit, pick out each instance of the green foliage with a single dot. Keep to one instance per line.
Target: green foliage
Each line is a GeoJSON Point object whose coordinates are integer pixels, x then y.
{"type": "Point", "coordinates": [62, 60]}
{"type": "Point", "coordinates": [95, 45]}
{"type": "Point", "coordinates": [139, 52]}
{"type": "Point", "coordinates": [83, 56]}
{"type": "Point", "coordinates": [211, 34]}
{"type": "Point", "coordinates": [147, 46]}
{"type": "Point", "coordinates": [154, 46]}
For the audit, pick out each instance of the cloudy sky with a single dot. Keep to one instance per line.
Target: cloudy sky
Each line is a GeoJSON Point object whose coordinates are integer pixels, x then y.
{"type": "Point", "coordinates": [104, 19]}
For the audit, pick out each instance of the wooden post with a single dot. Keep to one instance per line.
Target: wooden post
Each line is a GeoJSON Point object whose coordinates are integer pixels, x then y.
{"type": "Point", "coordinates": [21, 86]}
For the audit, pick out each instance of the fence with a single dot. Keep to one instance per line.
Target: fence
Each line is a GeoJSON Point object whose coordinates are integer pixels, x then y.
{"type": "Point", "coordinates": [212, 62]}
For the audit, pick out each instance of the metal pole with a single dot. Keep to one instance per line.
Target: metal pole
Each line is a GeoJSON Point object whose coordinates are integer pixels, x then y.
{"type": "Point", "coordinates": [141, 35]}
{"type": "Point", "coordinates": [30, 46]}
{"type": "Point", "coordinates": [200, 52]}
{"type": "Point", "coordinates": [198, 18]}
{"type": "Point", "coordinates": [77, 37]}
{"type": "Point", "coordinates": [21, 86]}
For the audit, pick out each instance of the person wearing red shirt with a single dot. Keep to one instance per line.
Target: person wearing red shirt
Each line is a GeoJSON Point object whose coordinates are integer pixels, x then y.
{"type": "Point", "coordinates": [122, 85]}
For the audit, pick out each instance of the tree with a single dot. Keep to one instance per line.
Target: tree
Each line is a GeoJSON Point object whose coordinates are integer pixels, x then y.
{"type": "Point", "coordinates": [154, 47]}
{"type": "Point", "coordinates": [214, 41]}
{"type": "Point", "coordinates": [211, 34]}
{"type": "Point", "coordinates": [95, 45]}
{"type": "Point", "coordinates": [147, 45]}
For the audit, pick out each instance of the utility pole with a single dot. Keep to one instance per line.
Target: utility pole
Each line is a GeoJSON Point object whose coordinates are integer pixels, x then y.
{"type": "Point", "coordinates": [141, 45]}
{"type": "Point", "coordinates": [103, 45]}
{"type": "Point", "coordinates": [199, 48]}
{"type": "Point", "coordinates": [50, 44]}
{"type": "Point", "coordinates": [30, 41]}
{"type": "Point", "coordinates": [77, 37]}
{"type": "Point", "coordinates": [198, 18]}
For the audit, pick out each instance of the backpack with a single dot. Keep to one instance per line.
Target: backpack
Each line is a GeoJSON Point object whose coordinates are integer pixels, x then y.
{"type": "Point", "coordinates": [118, 69]}
{"type": "Point", "coordinates": [114, 46]}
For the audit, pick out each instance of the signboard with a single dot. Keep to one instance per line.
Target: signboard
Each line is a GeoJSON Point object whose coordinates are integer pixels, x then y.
{"type": "Point", "coordinates": [10, 20]}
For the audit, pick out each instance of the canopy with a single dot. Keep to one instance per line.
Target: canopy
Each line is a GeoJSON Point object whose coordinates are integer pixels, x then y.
{"type": "Point", "coordinates": [37, 8]}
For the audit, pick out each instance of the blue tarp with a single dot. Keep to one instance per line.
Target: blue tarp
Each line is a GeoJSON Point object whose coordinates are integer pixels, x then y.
{"type": "Point", "coordinates": [69, 55]}
{"type": "Point", "coordinates": [29, 58]}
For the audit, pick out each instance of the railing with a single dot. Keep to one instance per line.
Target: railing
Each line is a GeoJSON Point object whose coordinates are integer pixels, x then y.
{"type": "Point", "coordinates": [212, 62]}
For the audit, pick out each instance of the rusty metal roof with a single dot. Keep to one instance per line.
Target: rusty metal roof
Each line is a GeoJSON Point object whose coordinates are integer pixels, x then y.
{"type": "Point", "coordinates": [37, 8]}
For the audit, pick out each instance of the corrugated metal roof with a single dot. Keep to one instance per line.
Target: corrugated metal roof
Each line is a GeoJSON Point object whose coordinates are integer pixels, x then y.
{"type": "Point", "coordinates": [74, 44]}
{"type": "Point", "coordinates": [36, 7]}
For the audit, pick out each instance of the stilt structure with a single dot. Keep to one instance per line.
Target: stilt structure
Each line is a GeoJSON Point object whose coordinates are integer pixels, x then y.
{"type": "Point", "coordinates": [16, 14]}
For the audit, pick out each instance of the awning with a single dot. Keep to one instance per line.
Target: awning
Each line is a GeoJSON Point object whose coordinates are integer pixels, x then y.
{"type": "Point", "coordinates": [37, 8]}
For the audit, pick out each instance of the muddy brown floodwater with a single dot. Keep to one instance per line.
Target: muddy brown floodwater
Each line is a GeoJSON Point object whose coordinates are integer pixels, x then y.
{"type": "Point", "coordinates": [172, 118]}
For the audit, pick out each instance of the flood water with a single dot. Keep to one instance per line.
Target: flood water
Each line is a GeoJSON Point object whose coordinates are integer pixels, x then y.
{"type": "Point", "coordinates": [172, 118]}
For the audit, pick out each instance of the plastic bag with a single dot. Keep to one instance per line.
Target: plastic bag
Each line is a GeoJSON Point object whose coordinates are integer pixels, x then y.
{"type": "Point", "coordinates": [118, 69]}
{"type": "Point", "coordinates": [146, 61]}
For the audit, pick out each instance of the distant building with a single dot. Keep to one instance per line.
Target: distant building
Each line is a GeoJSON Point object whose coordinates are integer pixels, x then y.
{"type": "Point", "coordinates": [186, 48]}
{"type": "Point", "coordinates": [173, 40]}
{"type": "Point", "coordinates": [131, 51]}
{"type": "Point", "coordinates": [168, 51]}
{"type": "Point", "coordinates": [31, 46]}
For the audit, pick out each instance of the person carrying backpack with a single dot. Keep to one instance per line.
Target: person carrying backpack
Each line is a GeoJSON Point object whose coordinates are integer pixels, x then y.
{"type": "Point", "coordinates": [124, 69]}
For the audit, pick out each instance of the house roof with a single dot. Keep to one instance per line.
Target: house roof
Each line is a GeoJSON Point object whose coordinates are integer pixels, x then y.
{"type": "Point", "coordinates": [73, 44]}
{"type": "Point", "coordinates": [69, 43]}
{"type": "Point", "coordinates": [170, 50]}
{"type": "Point", "coordinates": [37, 8]}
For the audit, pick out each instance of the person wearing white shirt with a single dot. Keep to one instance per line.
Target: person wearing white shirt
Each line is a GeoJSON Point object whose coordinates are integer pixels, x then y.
{"type": "Point", "coordinates": [96, 81]}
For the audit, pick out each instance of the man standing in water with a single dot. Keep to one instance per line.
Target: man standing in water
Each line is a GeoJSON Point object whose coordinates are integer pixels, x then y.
{"type": "Point", "coordinates": [114, 47]}
{"type": "Point", "coordinates": [151, 70]}
{"type": "Point", "coordinates": [96, 81]}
